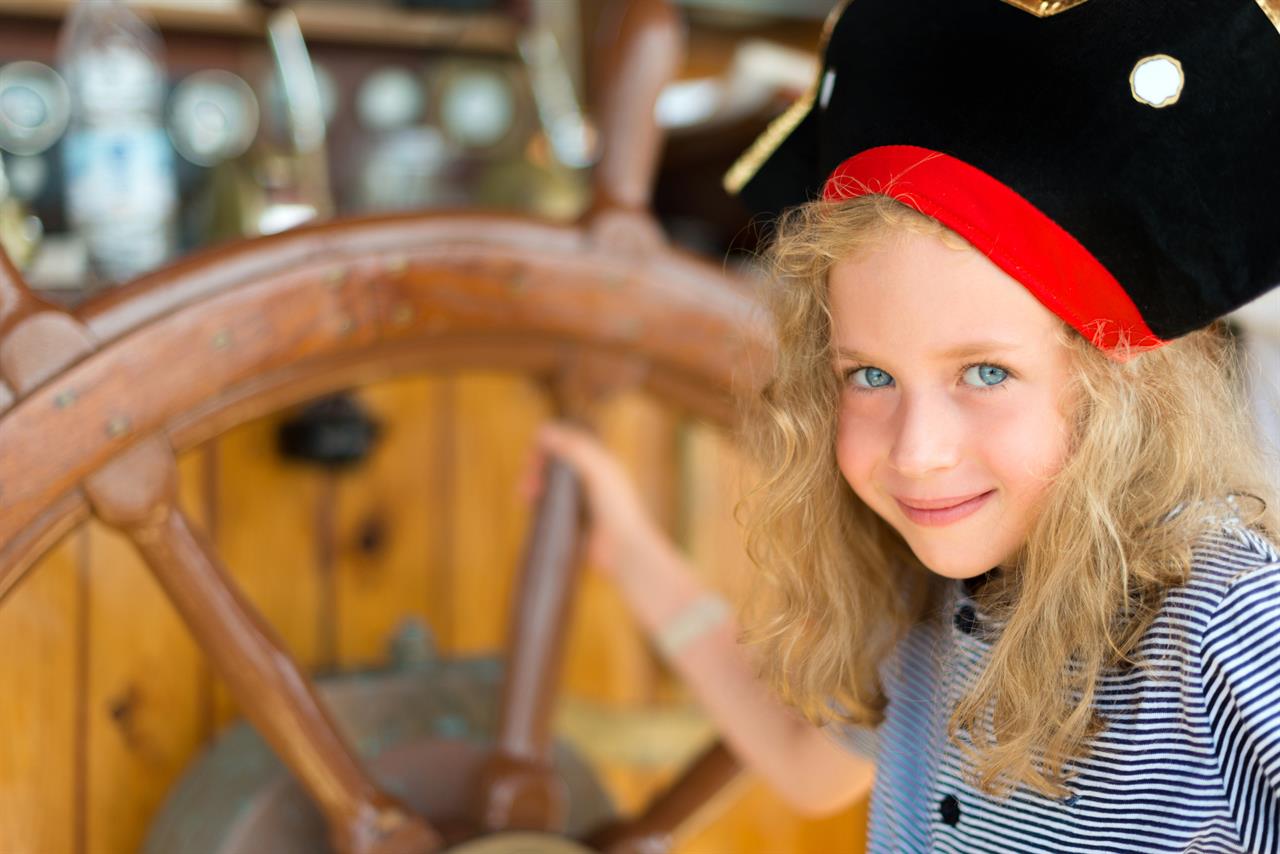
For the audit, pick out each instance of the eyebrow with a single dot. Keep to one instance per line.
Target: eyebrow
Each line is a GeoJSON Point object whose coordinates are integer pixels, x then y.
{"type": "Point", "coordinates": [960, 351]}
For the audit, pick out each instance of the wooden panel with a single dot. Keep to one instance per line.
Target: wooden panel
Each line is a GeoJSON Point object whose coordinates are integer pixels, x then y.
{"type": "Point", "coordinates": [39, 790]}
{"type": "Point", "coordinates": [267, 516]}
{"type": "Point", "coordinates": [755, 820]}
{"type": "Point", "coordinates": [144, 696]}
{"type": "Point", "coordinates": [609, 659]}
{"type": "Point", "coordinates": [713, 477]}
{"type": "Point", "coordinates": [198, 498]}
{"type": "Point", "coordinates": [494, 420]}
{"type": "Point", "coordinates": [391, 518]}
{"type": "Point", "coordinates": [430, 527]}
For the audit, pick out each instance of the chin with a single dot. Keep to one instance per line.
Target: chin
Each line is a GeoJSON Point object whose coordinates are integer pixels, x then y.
{"type": "Point", "coordinates": [949, 567]}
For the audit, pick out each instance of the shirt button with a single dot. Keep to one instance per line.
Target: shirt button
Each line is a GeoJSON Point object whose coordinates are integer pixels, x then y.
{"type": "Point", "coordinates": [949, 808]}
{"type": "Point", "coordinates": [966, 619]}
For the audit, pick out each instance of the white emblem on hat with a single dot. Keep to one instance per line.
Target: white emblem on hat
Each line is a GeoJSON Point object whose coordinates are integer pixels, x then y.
{"type": "Point", "coordinates": [1157, 80]}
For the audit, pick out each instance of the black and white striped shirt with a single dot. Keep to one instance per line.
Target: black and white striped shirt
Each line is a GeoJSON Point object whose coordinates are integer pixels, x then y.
{"type": "Point", "coordinates": [1189, 760]}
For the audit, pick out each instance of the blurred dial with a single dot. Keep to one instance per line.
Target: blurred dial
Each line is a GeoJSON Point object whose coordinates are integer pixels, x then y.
{"type": "Point", "coordinates": [390, 98]}
{"type": "Point", "coordinates": [213, 116]}
{"type": "Point", "coordinates": [477, 105]}
{"type": "Point", "coordinates": [34, 107]}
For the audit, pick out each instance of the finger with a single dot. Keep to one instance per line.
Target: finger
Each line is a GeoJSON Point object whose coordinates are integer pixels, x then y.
{"type": "Point", "coordinates": [596, 467]}
{"type": "Point", "coordinates": [529, 487]}
{"type": "Point", "coordinates": [574, 445]}
{"type": "Point", "coordinates": [555, 437]}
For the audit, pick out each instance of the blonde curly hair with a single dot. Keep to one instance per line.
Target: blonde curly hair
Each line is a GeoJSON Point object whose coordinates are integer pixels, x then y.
{"type": "Point", "coordinates": [1157, 442]}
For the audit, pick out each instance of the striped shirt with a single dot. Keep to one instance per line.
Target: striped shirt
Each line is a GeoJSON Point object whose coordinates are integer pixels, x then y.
{"type": "Point", "coordinates": [1189, 760]}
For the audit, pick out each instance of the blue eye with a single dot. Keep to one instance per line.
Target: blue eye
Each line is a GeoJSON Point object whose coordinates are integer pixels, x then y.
{"type": "Point", "coordinates": [870, 378]}
{"type": "Point", "coordinates": [985, 376]}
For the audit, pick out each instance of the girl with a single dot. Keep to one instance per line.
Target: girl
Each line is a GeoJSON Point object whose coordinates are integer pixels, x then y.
{"type": "Point", "coordinates": [1011, 503]}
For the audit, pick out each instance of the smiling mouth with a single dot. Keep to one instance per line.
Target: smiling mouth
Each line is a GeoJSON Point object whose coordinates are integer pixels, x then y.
{"type": "Point", "coordinates": [939, 503]}
{"type": "Point", "coordinates": [940, 516]}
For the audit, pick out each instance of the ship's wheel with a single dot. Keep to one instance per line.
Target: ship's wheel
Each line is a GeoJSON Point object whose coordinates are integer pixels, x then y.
{"type": "Point", "coordinates": [95, 404]}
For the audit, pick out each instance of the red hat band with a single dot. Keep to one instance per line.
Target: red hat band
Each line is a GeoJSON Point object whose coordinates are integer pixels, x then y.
{"type": "Point", "coordinates": [1021, 240]}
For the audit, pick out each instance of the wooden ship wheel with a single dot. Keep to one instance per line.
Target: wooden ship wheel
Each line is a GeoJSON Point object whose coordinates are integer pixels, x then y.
{"type": "Point", "coordinates": [95, 403]}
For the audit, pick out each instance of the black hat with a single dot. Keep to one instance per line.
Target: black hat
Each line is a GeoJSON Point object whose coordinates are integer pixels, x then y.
{"type": "Point", "coordinates": [1119, 158]}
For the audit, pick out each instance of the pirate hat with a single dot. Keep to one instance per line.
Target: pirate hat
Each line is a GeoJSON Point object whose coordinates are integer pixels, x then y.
{"type": "Point", "coordinates": [1119, 158]}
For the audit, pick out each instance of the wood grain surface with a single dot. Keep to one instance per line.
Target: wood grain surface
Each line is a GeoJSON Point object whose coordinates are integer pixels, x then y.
{"type": "Point", "coordinates": [428, 527]}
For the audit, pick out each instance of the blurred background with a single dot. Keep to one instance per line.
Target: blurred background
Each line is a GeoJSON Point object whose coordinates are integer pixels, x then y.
{"type": "Point", "coordinates": [133, 133]}
{"type": "Point", "coordinates": [378, 529]}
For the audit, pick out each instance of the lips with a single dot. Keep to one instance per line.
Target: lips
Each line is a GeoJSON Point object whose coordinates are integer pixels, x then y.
{"type": "Point", "coordinates": [953, 510]}
{"type": "Point", "coordinates": [938, 503]}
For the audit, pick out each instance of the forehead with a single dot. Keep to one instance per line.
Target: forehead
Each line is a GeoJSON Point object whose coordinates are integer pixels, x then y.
{"type": "Point", "coordinates": [912, 293]}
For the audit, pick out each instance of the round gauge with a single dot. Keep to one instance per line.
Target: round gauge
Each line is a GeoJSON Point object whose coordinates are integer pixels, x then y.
{"type": "Point", "coordinates": [390, 98]}
{"type": "Point", "coordinates": [34, 107]}
{"type": "Point", "coordinates": [477, 105]}
{"type": "Point", "coordinates": [213, 116]}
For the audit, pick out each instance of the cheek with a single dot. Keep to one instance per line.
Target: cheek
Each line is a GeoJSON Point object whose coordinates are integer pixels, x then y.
{"type": "Point", "coordinates": [1026, 444]}
{"type": "Point", "coordinates": [857, 446]}
{"type": "Point", "coordinates": [846, 449]}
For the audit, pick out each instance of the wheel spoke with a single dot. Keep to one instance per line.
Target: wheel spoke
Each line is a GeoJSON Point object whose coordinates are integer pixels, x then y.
{"type": "Point", "coordinates": [654, 831]}
{"type": "Point", "coordinates": [641, 51]}
{"type": "Point", "coordinates": [518, 787]}
{"type": "Point", "coordinates": [136, 493]}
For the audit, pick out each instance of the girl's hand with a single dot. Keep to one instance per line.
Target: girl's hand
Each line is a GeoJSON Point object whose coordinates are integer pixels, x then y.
{"type": "Point", "coordinates": [621, 532]}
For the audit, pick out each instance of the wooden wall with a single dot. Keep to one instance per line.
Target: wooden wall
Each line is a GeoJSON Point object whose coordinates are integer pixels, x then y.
{"type": "Point", "coordinates": [105, 699]}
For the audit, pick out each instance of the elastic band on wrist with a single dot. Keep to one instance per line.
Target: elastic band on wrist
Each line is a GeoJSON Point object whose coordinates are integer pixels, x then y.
{"type": "Point", "coordinates": [692, 621]}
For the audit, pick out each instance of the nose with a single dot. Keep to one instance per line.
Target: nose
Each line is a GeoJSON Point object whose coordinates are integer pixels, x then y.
{"type": "Point", "coordinates": [926, 436]}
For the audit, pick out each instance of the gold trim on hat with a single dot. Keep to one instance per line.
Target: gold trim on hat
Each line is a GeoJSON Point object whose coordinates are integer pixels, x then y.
{"type": "Point", "coordinates": [750, 161]}
{"type": "Point", "coordinates": [1271, 8]}
{"type": "Point", "coordinates": [1047, 8]}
